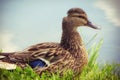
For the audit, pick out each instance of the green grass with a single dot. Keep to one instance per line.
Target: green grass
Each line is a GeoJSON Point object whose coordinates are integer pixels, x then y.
{"type": "Point", "coordinates": [93, 71]}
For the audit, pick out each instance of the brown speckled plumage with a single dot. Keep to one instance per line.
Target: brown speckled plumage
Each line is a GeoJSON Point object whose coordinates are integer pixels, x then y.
{"type": "Point", "coordinates": [70, 53]}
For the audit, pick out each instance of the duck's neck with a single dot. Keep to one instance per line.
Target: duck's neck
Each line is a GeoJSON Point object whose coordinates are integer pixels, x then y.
{"type": "Point", "coordinates": [72, 42]}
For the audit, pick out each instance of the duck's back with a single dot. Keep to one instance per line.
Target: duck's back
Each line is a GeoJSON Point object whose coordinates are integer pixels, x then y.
{"type": "Point", "coordinates": [44, 45]}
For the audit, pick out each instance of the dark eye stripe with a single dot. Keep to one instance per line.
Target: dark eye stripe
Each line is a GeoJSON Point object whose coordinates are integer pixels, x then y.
{"type": "Point", "coordinates": [79, 16]}
{"type": "Point", "coordinates": [82, 17]}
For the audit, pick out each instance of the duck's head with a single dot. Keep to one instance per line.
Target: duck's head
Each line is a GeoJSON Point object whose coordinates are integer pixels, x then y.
{"type": "Point", "coordinates": [76, 17]}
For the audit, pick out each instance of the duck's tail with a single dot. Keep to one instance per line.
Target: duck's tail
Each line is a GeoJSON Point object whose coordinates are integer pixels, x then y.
{"type": "Point", "coordinates": [4, 55]}
{"type": "Point", "coordinates": [4, 61]}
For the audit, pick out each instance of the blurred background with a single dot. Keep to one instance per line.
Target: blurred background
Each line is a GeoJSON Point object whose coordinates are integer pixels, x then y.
{"type": "Point", "coordinates": [27, 22]}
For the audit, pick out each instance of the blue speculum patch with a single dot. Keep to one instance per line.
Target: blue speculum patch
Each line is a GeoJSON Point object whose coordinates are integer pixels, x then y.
{"type": "Point", "coordinates": [37, 63]}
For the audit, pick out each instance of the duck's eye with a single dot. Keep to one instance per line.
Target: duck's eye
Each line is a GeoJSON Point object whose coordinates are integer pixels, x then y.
{"type": "Point", "coordinates": [82, 17]}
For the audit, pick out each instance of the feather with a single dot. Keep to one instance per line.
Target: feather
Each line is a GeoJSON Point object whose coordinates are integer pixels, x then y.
{"type": "Point", "coordinates": [37, 63]}
{"type": "Point", "coordinates": [1, 57]}
{"type": "Point", "coordinates": [8, 66]}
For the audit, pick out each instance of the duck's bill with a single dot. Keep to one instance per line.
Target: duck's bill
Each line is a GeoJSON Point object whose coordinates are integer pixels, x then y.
{"type": "Point", "coordinates": [90, 24]}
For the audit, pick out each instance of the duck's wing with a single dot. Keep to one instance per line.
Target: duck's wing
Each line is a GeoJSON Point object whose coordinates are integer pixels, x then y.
{"type": "Point", "coordinates": [42, 46]}
{"type": "Point", "coordinates": [41, 55]}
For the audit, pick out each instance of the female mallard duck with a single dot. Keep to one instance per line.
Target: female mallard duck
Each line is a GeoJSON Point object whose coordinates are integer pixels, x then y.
{"type": "Point", "coordinates": [70, 53]}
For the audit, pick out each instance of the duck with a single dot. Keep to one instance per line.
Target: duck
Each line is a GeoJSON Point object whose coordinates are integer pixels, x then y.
{"type": "Point", "coordinates": [70, 53]}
